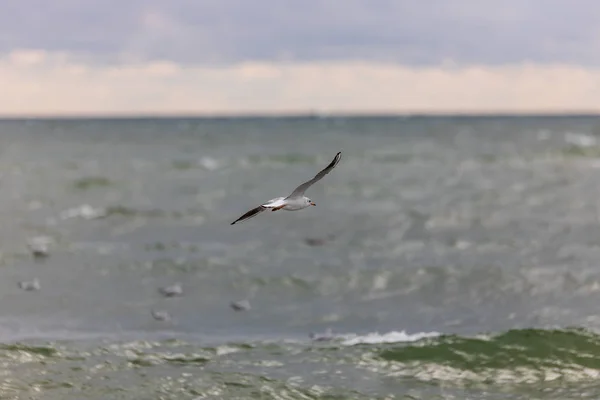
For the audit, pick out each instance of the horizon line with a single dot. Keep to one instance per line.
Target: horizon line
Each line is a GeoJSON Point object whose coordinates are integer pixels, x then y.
{"type": "Point", "coordinates": [317, 114]}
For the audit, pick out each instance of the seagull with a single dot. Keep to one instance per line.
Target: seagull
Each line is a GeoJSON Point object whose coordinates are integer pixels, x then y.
{"type": "Point", "coordinates": [240, 305]}
{"type": "Point", "coordinates": [161, 315]}
{"type": "Point", "coordinates": [30, 285]}
{"type": "Point", "coordinates": [295, 201]}
{"type": "Point", "coordinates": [173, 290]}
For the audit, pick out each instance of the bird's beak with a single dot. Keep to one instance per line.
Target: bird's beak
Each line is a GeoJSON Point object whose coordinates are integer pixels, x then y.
{"type": "Point", "coordinates": [312, 203]}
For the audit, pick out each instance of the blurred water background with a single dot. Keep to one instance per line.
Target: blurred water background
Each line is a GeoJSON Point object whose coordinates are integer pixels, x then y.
{"type": "Point", "coordinates": [447, 257]}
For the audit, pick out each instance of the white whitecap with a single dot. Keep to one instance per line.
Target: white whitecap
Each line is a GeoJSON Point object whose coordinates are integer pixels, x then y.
{"type": "Point", "coordinates": [390, 337]}
{"type": "Point", "coordinates": [85, 211]}
{"type": "Point", "coordinates": [580, 139]}
{"type": "Point", "coordinates": [209, 163]}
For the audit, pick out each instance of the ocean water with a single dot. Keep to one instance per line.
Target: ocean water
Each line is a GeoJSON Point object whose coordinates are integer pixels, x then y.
{"type": "Point", "coordinates": [447, 258]}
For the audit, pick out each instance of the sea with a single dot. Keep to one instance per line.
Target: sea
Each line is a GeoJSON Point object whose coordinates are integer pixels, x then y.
{"type": "Point", "coordinates": [447, 257]}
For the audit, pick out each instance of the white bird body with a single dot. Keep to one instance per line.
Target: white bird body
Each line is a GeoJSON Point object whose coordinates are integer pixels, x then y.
{"type": "Point", "coordinates": [295, 201]}
{"type": "Point", "coordinates": [294, 204]}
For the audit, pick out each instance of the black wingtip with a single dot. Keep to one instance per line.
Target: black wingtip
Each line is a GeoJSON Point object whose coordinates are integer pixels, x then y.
{"type": "Point", "coordinates": [232, 223]}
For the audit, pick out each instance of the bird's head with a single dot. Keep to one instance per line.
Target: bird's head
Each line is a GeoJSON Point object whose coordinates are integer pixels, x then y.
{"type": "Point", "coordinates": [309, 201]}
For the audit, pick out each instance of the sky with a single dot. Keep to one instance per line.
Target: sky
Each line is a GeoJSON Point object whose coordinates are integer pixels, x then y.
{"type": "Point", "coordinates": [87, 57]}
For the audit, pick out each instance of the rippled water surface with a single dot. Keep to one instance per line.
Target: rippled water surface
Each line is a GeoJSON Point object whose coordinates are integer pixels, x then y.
{"type": "Point", "coordinates": [446, 258]}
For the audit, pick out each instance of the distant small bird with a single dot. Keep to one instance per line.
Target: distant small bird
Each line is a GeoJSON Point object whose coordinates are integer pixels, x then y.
{"type": "Point", "coordinates": [295, 201]}
{"type": "Point", "coordinates": [30, 285]}
{"type": "Point", "coordinates": [161, 315]}
{"type": "Point", "coordinates": [39, 246]}
{"type": "Point", "coordinates": [173, 290]}
{"type": "Point", "coordinates": [241, 305]}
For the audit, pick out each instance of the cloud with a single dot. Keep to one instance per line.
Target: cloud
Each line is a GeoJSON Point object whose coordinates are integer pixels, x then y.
{"type": "Point", "coordinates": [212, 32]}
{"type": "Point", "coordinates": [46, 83]}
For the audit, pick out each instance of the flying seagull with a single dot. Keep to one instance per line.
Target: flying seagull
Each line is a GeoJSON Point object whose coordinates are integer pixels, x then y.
{"type": "Point", "coordinates": [295, 201]}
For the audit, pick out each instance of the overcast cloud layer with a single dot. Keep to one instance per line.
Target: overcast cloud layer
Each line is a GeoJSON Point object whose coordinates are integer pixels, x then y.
{"type": "Point", "coordinates": [70, 57]}
{"type": "Point", "coordinates": [411, 32]}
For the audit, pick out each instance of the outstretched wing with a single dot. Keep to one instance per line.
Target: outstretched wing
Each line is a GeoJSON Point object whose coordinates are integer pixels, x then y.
{"type": "Point", "coordinates": [276, 202]}
{"type": "Point", "coordinates": [252, 213]}
{"type": "Point", "coordinates": [299, 191]}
